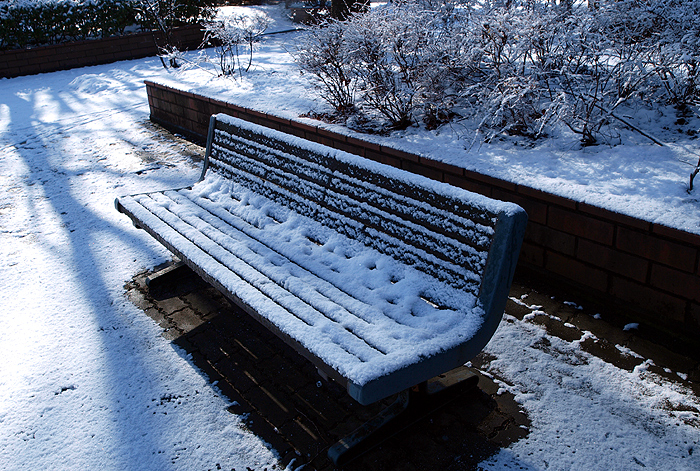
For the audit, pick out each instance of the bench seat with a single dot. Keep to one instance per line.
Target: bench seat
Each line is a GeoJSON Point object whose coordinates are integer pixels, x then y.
{"type": "Point", "coordinates": [381, 278]}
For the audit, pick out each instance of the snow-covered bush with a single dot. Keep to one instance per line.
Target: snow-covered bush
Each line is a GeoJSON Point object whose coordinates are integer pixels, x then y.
{"type": "Point", "coordinates": [385, 54]}
{"type": "Point", "coordinates": [516, 67]}
{"type": "Point", "coordinates": [667, 34]}
{"type": "Point", "coordinates": [40, 22]}
{"type": "Point", "coordinates": [28, 23]}
{"type": "Point", "coordinates": [164, 16]}
{"type": "Point", "coordinates": [232, 34]}
{"type": "Point", "coordinates": [324, 52]}
{"type": "Point", "coordinates": [390, 56]}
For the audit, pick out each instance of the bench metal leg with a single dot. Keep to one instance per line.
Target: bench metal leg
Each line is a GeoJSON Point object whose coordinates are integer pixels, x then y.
{"type": "Point", "coordinates": [166, 275]}
{"type": "Point", "coordinates": [410, 406]}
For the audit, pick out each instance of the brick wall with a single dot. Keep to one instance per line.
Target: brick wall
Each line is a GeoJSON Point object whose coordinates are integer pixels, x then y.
{"type": "Point", "coordinates": [15, 63]}
{"type": "Point", "coordinates": [620, 263]}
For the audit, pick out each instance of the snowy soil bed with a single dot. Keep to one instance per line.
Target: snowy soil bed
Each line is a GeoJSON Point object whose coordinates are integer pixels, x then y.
{"type": "Point", "coordinates": [87, 380]}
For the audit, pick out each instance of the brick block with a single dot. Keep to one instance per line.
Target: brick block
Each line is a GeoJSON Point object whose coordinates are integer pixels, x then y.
{"type": "Point", "coordinates": [204, 107]}
{"type": "Point", "coordinates": [269, 123]}
{"type": "Point", "coordinates": [278, 120]}
{"type": "Point", "coordinates": [576, 271]}
{"type": "Point", "coordinates": [293, 130]}
{"type": "Point", "coordinates": [326, 141]}
{"type": "Point", "coordinates": [419, 169]}
{"type": "Point", "coordinates": [613, 260]}
{"type": "Point", "coordinates": [201, 130]}
{"type": "Point", "coordinates": [675, 234]}
{"type": "Point", "coordinates": [364, 144]}
{"type": "Point", "coordinates": [468, 184]}
{"type": "Point", "coordinates": [195, 116]}
{"type": "Point", "coordinates": [551, 239]}
{"type": "Point", "coordinates": [579, 225]}
{"type": "Point", "coordinates": [683, 284]}
{"type": "Point", "coordinates": [536, 210]}
{"type": "Point", "coordinates": [546, 197]}
{"type": "Point", "coordinates": [43, 53]}
{"type": "Point", "coordinates": [666, 307]}
{"type": "Point", "coordinates": [8, 72]}
{"type": "Point", "coordinates": [349, 148]}
{"type": "Point", "coordinates": [331, 135]}
{"type": "Point", "coordinates": [400, 154]}
{"type": "Point", "coordinates": [491, 181]}
{"type": "Point", "coordinates": [155, 91]}
{"type": "Point", "coordinates": [657, 249]}
{"type": "Point", "coordinates": [179, 100]}
{"type": "Point", "coordinates": [531, 254]}
{"type": "Point", "coordinates": [383, 158]}
{"type": "Point", "coordinates": [694, 316]}
{"type": "Point", "coordinates": [304, 127]}
{"type": "Point", "coordinates": [441, 166]}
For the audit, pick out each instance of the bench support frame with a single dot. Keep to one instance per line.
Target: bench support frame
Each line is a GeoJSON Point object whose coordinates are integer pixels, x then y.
{"type": "Point", "coordinates": [410, 407]}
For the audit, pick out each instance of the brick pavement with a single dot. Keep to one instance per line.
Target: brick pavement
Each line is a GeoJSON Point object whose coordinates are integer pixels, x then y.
{"type": "Point", "coordinates": [287, 404]}
{"type": "Point", "coordinates": [290, 406]}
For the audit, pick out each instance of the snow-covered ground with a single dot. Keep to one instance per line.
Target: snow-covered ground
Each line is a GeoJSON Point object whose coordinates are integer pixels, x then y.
{"type": "Point", "coordinates": [88, 382]}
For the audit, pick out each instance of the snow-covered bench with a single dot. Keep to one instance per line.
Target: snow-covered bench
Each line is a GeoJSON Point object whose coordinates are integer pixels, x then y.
{"type": "Point", "coordinates": [381, 278]}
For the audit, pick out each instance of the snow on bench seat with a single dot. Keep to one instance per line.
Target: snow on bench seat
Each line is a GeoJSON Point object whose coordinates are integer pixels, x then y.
{"type": "Point", "coordinates": [382, 278]}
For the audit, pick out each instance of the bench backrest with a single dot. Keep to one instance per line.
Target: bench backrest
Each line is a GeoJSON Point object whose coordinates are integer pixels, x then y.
{"type": "Point", "coordinates": [464, 239]}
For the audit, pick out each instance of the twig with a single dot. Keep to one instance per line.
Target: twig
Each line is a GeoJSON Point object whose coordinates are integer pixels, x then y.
{"type": "Point", "coordinates": [630, 125]}
{"type": "Point", "coordinates": [693, 174]}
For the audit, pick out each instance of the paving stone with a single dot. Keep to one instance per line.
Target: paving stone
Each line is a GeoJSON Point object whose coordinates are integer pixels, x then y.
{"type": "Point", "coordinates": [241, 380]}
{"type": "Point", "coordinates": [601, 348]}
{"type": "Point", "coordinates": [186, 319]}
{"type": "Point", "coordinates": [259, 426]}
{"type": "Point", "coordinates": [171, 334]}
{"type": "Point", "coordinates": [159, 317]}
{"type": "Point", "coordinates": [303, 437]}
{"type": "Point", "coordinates": [209, 348]}
{"type": "Point", "coordinates": [276, 408]}
{"type": "Point", "coordinates": [138, 299]}
{"type": "Point", "coordinates": [558, 328]}
{"type": "Point", "coordinates": [171, 305]}
{"type": "Point", "coordinates": [203, 304]}
{"type": "Point", "coordinates": [662, 356]}
{"type": "Point", "coordinates": [320, 408]}
{"type": "Point", "coordinates": [287, 376]}
{"type": "Point", "coordinates": [516, 310]}
{"type": "Point", "coordinates": [601, 329]}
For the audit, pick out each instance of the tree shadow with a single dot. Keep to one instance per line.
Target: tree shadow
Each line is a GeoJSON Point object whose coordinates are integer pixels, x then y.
{"type": "Point", "coordinates": [55, 147]}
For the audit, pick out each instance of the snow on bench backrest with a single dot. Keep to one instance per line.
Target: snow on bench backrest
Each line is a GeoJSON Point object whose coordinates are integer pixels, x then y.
{"type": "Point", "coordinates": [443, 231]}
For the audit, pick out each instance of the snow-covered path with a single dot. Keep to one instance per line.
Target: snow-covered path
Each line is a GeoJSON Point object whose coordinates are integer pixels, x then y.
{"type": "Point", "coordinates": [86, 381]}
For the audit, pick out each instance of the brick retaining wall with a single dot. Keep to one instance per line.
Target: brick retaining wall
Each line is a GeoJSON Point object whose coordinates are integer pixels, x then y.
{"type": "Point", "coordinates": [17, 62]}
{"type": "Point", "coordinates": [622, 263]}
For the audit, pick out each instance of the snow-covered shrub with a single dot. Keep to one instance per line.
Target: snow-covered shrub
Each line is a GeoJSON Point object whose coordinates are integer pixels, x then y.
{"type": "Point", "coordinates": [41, 22]}
{"type": "Point", "coordinates": [405, 58]}
{"type": "Point", "coordinates": [233, 36]}
{"type": "Point", "coordinates": [165, 15]}
{"type": "Point", "coordinates": [233, 33]}
{"type": "Point", "coordinates": [324, 52]}
{"type": "Point", "coordinates": [674, 47]}
{"type": "Point", "coordinates": [515, 67]}
{"type": "Point", "coordinates": [514, 106]}
{"type": "Point", "coordinates": [385, 47]}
